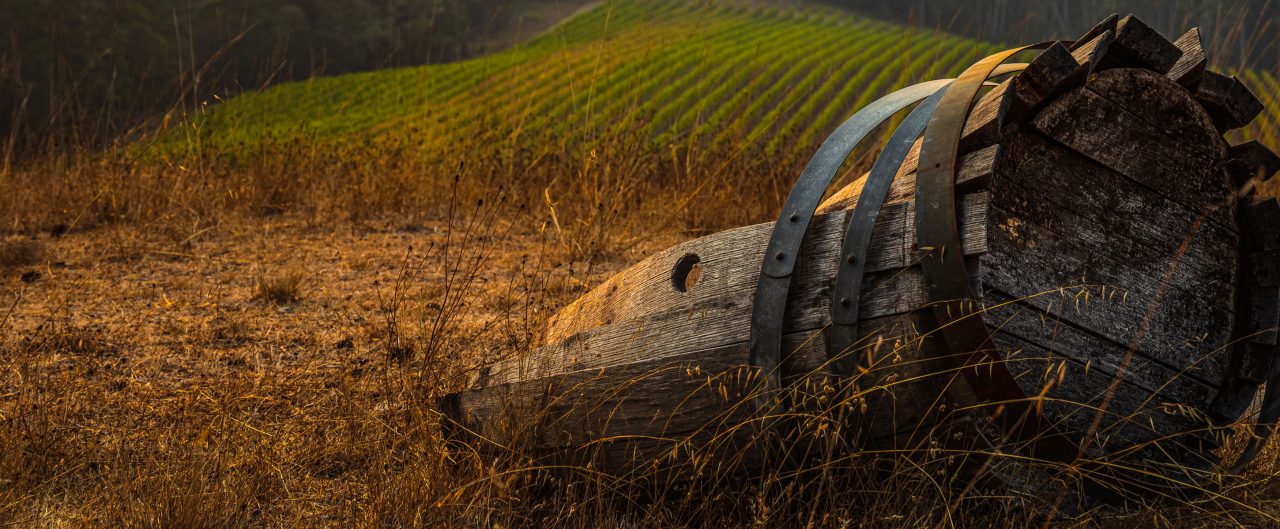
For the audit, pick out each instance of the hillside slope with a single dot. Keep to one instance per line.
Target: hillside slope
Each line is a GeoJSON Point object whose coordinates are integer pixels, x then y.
{"type": "Point", "coordinates": [772, 77]}
{"type": "Point", "coordinates": [780, 76]}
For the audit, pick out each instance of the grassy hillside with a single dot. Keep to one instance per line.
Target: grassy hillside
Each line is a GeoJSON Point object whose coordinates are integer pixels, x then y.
{"type": "Point", "coordinates": [771, 77]}
{"type": "Point", "coordinates": [679, 115]}
{"type": "Point", "coordinates": [777, 77]}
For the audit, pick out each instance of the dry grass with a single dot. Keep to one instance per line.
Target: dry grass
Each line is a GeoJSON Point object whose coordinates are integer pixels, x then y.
{"type": "Point", "coordinates": [143, 383]}
{"type": "Point", "coordinates": [263, 343]}
{"type": "Point", "coordinates": [155, 391]}
{"type": "Point", "coordinates": [284, 288]}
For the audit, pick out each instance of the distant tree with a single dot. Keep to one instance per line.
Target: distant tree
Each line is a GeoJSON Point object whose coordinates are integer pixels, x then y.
{"type": "Point", "coordinates": [73, 71]}
{"type": "Point", "coordinates": [1237, 32]}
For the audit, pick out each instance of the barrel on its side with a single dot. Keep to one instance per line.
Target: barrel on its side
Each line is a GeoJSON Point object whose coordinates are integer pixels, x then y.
{"type": "Point", "coordinates": [1100, 217]}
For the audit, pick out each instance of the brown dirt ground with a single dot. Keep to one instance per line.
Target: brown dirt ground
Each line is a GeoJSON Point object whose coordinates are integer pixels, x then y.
{"type": "Point", "coordinates": [129, 353]}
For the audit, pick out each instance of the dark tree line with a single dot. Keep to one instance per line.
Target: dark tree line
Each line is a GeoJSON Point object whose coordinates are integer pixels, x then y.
{"type": "Point", "coordinates": [76, 71]}
{"type": "Point", "coordinates": [1236, 32]}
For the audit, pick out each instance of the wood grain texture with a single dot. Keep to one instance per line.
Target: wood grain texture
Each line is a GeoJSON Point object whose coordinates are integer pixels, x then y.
{"type": "Point", "coordinates": [982, 128]}
{"type": "Point", "coordinates": [1060, 220]}
{"type": "Point", "coordinates": [1110, 121]}
{"type": "Point", "coordinates": [1144, 406]}
{"type": "Point", "coordinates": [1051, 72]}
{"type": "Point", "coordinates": [1231, 104]}
{"type": "Point", "coordinates": [697, 391]}
{"type": "Point", "coordinates": [1137, 45]}
{"type": "Point", "coordinates": [1088, 53]}
{"type": "Point", "coordinates": [638, 314]}
{"type": "Point", "coordinates": [1075, 397]}
{"type": "Point", "coordinates": [730, 263]}
{"type": "Point", "coordinates": [1118, 188]}
{"type": "Point", "coordinates": [1037, 329]}
{"type": "Point", "coordinates": [973, 171]}
{"type": "Point", "coordinates": [1190, 66]}
{"type": "Point", "coordinates": [1152, 102]}
{"type": "Point", "coordinates": [1092, 198]}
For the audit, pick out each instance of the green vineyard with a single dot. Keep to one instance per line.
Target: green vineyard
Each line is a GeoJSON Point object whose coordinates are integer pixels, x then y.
{"type": "Point", "coordinates": [775, 78]}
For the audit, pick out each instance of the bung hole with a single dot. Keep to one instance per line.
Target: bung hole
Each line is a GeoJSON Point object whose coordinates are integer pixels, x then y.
{"type": "Point", "coordinates": [687, 272]}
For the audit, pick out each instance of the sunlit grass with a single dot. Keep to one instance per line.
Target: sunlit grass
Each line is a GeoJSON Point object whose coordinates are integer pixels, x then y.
{"type": "Point", "coordinates": [534, 171]}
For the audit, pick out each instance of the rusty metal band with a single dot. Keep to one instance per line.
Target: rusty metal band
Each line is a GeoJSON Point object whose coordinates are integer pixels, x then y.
{"type": "Point", "coordinates": [956, 309]}
{"type": "Point", "coordinates": [769, 303]}
{"type": "Point", "coordinates": [1246, 386]}
{"type": "Point", "coordinates": [855, 250]}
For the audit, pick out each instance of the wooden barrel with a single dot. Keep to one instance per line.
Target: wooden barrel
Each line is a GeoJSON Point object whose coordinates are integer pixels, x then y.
{"type": "Point", "coordinates": [1120, 264]}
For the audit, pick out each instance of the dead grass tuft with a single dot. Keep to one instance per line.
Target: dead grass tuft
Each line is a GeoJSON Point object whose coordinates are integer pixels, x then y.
{"type": "Point", "coordinates": [284, 288]}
